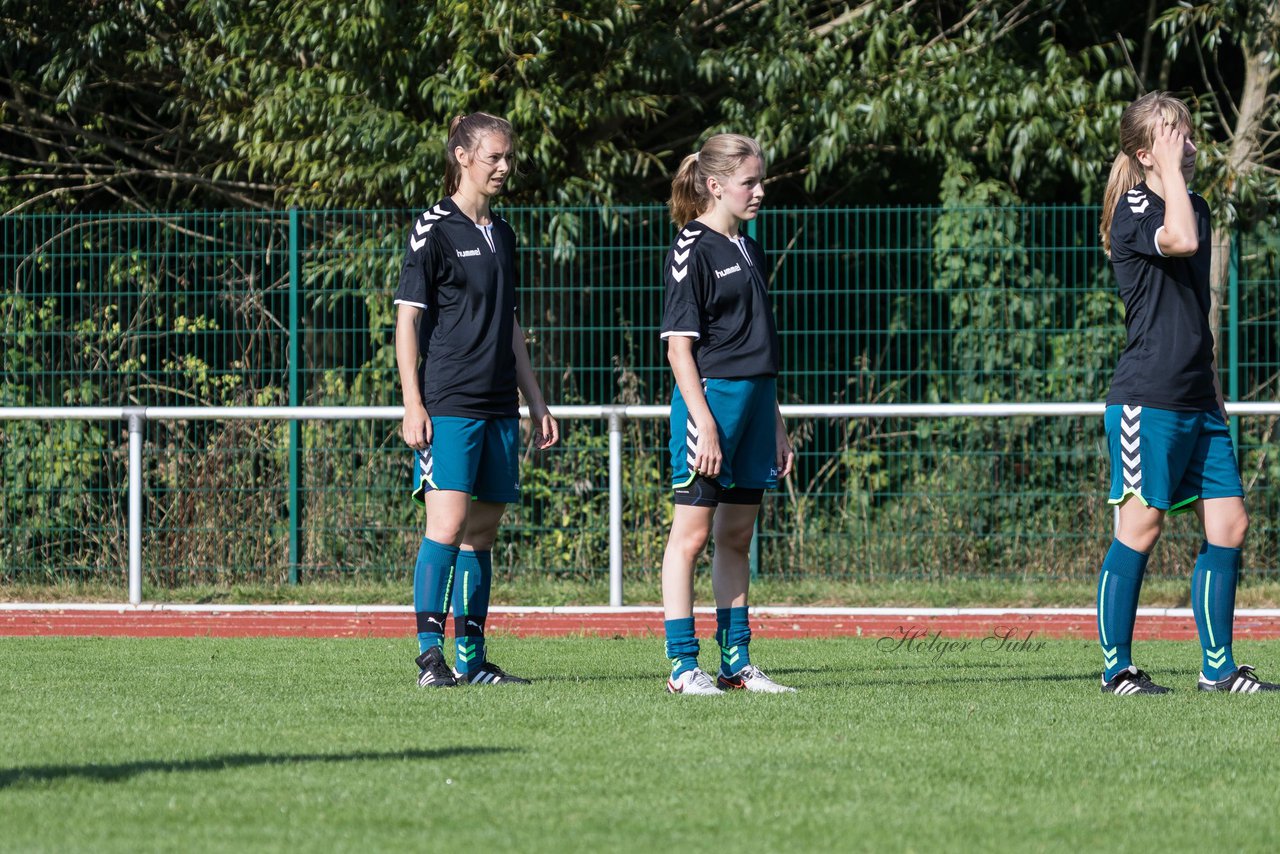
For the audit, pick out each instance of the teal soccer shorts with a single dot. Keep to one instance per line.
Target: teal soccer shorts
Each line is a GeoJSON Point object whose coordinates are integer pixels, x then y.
{"type": "Point", "coordinates": [1170, 459]}
{"type": "Point", "coordinates": [747, 420]}
{"type": "Point", "coordinates": [473, 455]}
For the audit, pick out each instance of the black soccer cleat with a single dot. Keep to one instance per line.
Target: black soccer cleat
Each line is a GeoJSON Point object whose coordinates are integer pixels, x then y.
{"type": "Point", "coordinates": [489, 674]}
{"type": "Point", "coordinates": [434, 672]}
{"type": "Point", "coordinates": [1241, 682]}
{"type": "Point", "coordinates": [1131, 680]}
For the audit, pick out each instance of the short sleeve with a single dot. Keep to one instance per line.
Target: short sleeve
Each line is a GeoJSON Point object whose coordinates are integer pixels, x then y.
{"type": "Point", "coordinates": [419, 267]}
{"type": "Point", "coordinates": [1137, 219]}
{"type": "Point", "coordinates": [681, 314]}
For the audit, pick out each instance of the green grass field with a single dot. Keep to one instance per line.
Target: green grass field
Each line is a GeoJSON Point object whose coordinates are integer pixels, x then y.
{"type": "Point", "coordinates": [129, 745]}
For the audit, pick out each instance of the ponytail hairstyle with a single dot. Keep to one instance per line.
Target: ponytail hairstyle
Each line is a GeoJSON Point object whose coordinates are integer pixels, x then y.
{"type": "Point", "coordinates": [1137, 131]}
{"type": "Point", "coordinates": [720, 157]}
{"type": "Point", "coordinates": [466, 132]}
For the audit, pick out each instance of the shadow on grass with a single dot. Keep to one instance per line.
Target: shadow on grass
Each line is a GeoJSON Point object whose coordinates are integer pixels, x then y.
{"type": "Point", "coordinates": [659, 674]}
{"type": "Point", "coordinates": [934, 676]}
{"type": "Point", "coordinates": [11, 777]}
{"type": "Point", "coordinates": [887, 675]}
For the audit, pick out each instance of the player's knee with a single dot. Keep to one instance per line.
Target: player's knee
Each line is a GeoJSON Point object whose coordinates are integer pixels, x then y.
{"type": "Point", "coordinates": [689, 542]}
{"type": "Point", "coordinates": [480, 540]}
{"type": "Point", "coordinates": [1140, 538]}
{"type": "Point", "coordinates": [1234, 532]}
{"type": "Point", "coordinates": [736, 539]}
{"type": "Point", "coordinates": [446, 531]}
{"type": "Point", "coordinates": [1140, 528]}
{"type": "Point", "coordinates": [1146, 540]}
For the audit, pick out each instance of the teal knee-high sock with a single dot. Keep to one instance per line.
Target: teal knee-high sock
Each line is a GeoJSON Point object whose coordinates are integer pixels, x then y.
{"type": "Point", "coordinates": [733, 633]}
{"type": "Point", "coordinates": [1213, 601]}
{"type": "Point", "coordinates": [682, 645]}
{"type": "Point", "coordinates": [473, 579]}
{"type": "Point", "coordinates": [432, 578]}
{"type": "Point", "coordinates": [1119, 583]}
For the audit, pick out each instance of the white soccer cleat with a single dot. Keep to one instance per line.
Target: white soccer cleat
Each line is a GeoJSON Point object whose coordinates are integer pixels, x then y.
{"type": "Point", "coordinates": [1241, 681]}
{"type": "Point", "coordinates": [693, 681]}
{"type": "Point", "coordinates": [752, 678]}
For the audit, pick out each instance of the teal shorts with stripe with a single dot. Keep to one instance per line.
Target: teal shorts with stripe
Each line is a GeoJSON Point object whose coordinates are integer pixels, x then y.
{"type": "Point", "coordinates": [747, 421]}
{"type": "Point", "coordinates": [480, 457]}
{"type": "Point", "coordinates": [1168, 459]}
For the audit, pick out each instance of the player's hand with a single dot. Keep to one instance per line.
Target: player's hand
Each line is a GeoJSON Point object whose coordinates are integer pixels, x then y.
{"type": "Point", "coordinates": [546, 432]}
{"type": "Point", "coordinates": [1168, 148]}
{"type": "Point", "coordinates": [785, 456]}
{"type": "Point", "coordinates": [707, 456]}
{"type": "Point", "coordinates": [416, 427]}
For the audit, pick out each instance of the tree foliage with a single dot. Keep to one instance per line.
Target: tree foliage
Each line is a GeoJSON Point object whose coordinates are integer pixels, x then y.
{"type": "Point", "coordinates": [157, 104]}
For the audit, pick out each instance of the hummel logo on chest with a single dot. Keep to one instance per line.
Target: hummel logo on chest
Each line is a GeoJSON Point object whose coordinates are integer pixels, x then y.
{"type": "Point", "coordinates": [736, 268]}
{"type": "Point", "coordinates": [468, 253]}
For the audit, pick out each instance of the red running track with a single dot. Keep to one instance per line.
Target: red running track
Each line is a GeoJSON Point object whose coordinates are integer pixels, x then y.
{"type": "Point", "coordinates": [177, 621]}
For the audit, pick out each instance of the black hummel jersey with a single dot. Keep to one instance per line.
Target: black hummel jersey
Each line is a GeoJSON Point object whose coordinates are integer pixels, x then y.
{"type": "Point", "coordinates": [464, 278]}
{"type": "Point", "coordinates": [1167, 361]}
{"type": "Point", "coordinates": [717, 294]}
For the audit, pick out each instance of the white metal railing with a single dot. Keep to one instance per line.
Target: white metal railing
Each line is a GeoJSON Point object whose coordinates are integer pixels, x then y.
{"type": "Point", "coordinates": [137, 416]}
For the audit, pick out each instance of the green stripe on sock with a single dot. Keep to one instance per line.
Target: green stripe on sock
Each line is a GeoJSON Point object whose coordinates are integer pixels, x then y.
{"type": "Point", "coordinates": [1208, 620]}
{"type": "Point", "coordinates": [1102, 619]}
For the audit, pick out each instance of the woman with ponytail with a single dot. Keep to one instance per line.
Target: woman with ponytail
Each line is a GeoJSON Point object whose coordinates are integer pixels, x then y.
{"type": "Point", "coordinates": [1165, 417]}
{"type": "Point", "coordinates": [728, 442]}
{"type": "Point", "coordinates": [461, 355]}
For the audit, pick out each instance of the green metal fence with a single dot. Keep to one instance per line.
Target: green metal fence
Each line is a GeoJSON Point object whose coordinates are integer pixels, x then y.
{"type": "Point", "coordinates": [294, 307]}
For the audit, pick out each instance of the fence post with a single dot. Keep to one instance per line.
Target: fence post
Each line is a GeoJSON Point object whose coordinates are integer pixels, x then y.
{"type": "Point", "coordinates": [615, 506]}
{"type": "Point", "coordinates": [753, 552]}
{"type": "Point", "coordinates": [137, 420]}
{"type": "Point", "coordinates": [1233, 334]}
{"type": "Point", "coordinates": [295, 398]}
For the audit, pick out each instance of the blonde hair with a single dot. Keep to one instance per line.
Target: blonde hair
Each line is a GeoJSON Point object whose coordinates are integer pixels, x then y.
{"type": "Point", "coordinates": [466, 132]}
{"type": "Point", "coordinates": [1137, 131]}
{"type": "Point", "coordinates": [720, 157]}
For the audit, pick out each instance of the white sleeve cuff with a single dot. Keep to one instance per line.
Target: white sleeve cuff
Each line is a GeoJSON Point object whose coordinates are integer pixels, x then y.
{"type": "Point", "coordinates": [679, 334]}
{"type": "Point", "coordinates": [410, 302]}
{"type": "Point", "coordinates": [1156, 240]}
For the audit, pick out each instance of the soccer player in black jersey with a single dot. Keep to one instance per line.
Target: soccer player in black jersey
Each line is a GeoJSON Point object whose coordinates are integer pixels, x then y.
{"type": "Point", "coordinates": [461, 355]}
{"type": "Point", "coordinates": [728, 442]}
{"type": "Point", "coordinates": [1165, 418]}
